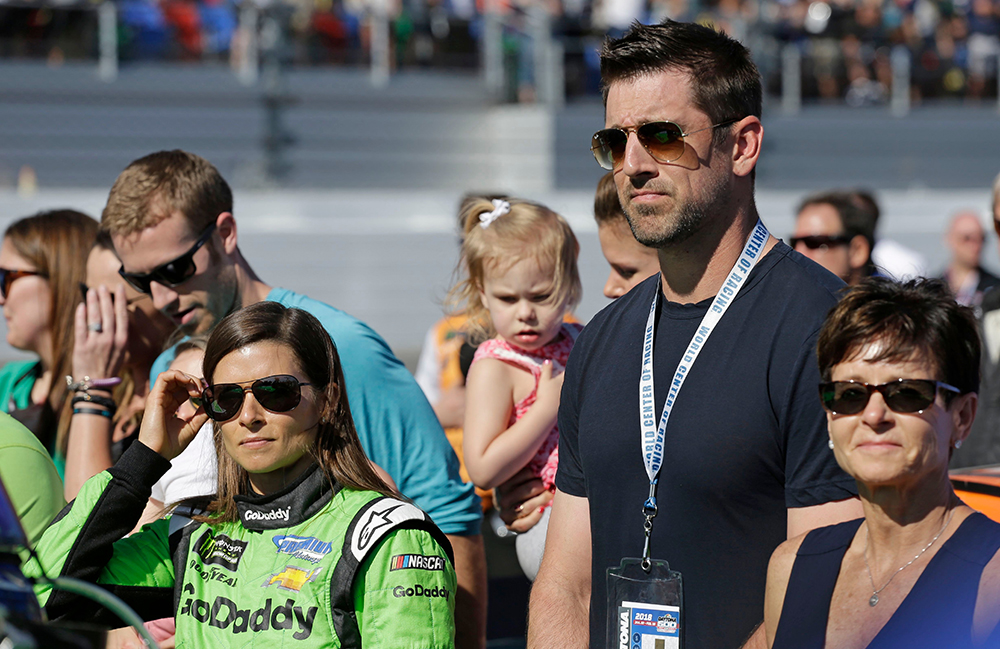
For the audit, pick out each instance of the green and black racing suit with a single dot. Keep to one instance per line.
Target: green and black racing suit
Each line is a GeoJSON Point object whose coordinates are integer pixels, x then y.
{"type": "Point", "coordinates": [313, 565]}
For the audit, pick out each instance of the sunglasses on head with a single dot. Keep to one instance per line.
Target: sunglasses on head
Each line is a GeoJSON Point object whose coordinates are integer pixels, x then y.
{"type": "Point", "coordinates": [815, 242]}
{"type": "Point", "coordinates": [903, 395]}
{"type": "Point", "coordinates": [279, 393]}
{"type": "Point", "coordinates": [664, 141]}
{"type": "Point", "coordinates": [172, 273]}
{"type": "Point", "coordinates": [7, 277]}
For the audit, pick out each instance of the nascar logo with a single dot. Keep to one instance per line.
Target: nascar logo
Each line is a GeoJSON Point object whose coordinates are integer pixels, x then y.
{"type": "Point", "coordinates": [415, 562]}
{"type": "Point", "coordinates": [302, 547]}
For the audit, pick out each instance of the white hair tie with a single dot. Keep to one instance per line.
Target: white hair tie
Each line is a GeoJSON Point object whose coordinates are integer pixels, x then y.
{"type": "Point", "coordinates": [500, 207]}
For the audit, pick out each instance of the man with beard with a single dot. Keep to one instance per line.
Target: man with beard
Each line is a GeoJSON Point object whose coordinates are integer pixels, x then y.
{"type": "Point", "coordinates": [745, 462]}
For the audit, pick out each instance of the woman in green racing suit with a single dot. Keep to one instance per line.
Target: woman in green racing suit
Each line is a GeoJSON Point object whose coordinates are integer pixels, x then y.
{"type": "Point", "coordinates": [303, 545]}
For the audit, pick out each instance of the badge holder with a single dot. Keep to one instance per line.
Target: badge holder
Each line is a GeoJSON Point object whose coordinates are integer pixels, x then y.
{"type": "Point", "coordinates": [645, 600]}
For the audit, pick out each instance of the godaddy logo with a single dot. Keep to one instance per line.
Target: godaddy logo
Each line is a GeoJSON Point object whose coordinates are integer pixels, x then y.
{"type": "Point", "coordinates": [273, 515]}
{"type": "Point", "coordinates": [224, 613]}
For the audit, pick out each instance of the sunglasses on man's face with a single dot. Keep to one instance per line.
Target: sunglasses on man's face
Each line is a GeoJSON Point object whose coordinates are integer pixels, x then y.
{"type": "Point", "coordinates": [279, 393]}
{"type": "Point", "coordinates": [172, 273]}
{"type": "Point", "coordinates": [820, 241]}
{"type": "Point", "coordinates": [903, 395]}
{"type": "Point", "coordinates": [664, 141]}
{"type": "Point", "coordinates": [7, 277]}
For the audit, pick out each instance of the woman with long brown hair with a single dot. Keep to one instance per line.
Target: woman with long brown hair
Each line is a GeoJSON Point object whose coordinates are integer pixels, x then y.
{"type": "Point", "coordinates": [42, 262]}
{"type": "Point", "coordinates": [302, 542]}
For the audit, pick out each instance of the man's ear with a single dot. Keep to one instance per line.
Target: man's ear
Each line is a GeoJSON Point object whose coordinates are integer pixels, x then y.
{"type": "Point", "coordinates": [859, 252]}
{"type": "Point", "coordinates": [225, 225]}
{"type": "Point", "coordinates": [749, 138]}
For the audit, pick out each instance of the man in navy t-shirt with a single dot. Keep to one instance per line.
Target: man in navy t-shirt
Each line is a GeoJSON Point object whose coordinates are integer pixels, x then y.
{"type": "Point", "coordinates": [745, 457]}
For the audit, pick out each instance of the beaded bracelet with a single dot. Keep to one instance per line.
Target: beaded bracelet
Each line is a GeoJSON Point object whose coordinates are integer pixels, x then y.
{"type": "Point", "coordinates": [86, 397]}
{"type": "Point", "coordinates": [91, 411]}
{"type": "Point", "coordinates": [87, 383]}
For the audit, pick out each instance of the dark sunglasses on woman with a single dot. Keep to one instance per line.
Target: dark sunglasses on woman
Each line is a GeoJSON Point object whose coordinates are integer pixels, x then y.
{"type": "Point", "coordinates": [662, 140]}
{"type": "Point", "coordinates": [279, 393]}
{"type": "Point", "coordinates": [902, 395]}
{"type": "Point", "coordinates": [7, 277]}
{"type": "Point", "coordinates": [172, 273]}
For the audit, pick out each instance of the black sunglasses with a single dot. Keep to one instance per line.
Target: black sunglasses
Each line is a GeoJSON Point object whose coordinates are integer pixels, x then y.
{"type": "Point", "coordinates": [173, 272]}
{"type": "Point", "coordinates": [814, 242]}
{"type": "Point", "coordinates": [903, 395]}
{"type": "Point", "coordinates": [662, 140]}
{"type": "Point", "coordinates": [279, 393]}
{"type": "Point", "coordinates": [7, 277]}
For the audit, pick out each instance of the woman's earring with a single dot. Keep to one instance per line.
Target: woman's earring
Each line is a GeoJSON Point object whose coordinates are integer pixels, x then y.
{"type": "Point", "coordinates": [958, 443]}
{"type": "Point", "coordinates": [829, 443]}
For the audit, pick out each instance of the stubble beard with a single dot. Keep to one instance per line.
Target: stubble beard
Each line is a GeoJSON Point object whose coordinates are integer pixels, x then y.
{"type": "Point", "coordinates": [669, 227]}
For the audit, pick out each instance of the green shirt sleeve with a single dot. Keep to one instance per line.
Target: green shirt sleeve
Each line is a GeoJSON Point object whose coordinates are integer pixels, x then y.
{"type": "Point", "coordinates": [29, 476]}
{"type": "Point", "coordinates": [411, 607]}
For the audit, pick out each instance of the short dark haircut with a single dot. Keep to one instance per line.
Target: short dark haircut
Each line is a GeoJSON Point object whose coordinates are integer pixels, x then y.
{"type": "Point", "coordinates": [918, 319]}
{"type": "Point", "coordinates": [853, 219]}
{"type": "Point", "coordinates": [607, 206]}
{"type": "Point", "coordinates": [725, 83]}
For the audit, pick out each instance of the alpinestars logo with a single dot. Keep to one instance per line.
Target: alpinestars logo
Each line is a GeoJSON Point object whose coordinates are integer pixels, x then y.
{"type": "Point", "coordinates": [272, 515]}
{"type": "Point", "coordinates": [220, 549]}
{"type": "Point", "coordinates": [375, 522]}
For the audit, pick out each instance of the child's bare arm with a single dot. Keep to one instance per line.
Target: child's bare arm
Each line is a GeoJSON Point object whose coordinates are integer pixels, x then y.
{"type": "Point", "coordinates": [493, 452]}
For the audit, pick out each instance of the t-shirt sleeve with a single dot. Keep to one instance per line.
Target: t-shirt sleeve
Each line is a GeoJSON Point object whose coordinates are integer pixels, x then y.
{"type": "Point", "coordinates": [569, 476]}
{"type": "Point", "coordinates": [32, 483]}
{"type": "Point", "coordinates": [812, 475]}
{"type": "Point", "coordinates": [399, 430]}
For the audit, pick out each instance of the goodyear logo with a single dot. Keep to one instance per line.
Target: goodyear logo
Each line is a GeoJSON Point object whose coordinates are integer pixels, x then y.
{"type": "Point", "coordinates": [292, 578]}
{"type": "Point", "coordinates": [308, 548]}
{"type": "Point", "coordinates": [220, 549]}
{"type": "Point", "coordinates": [415, 562]}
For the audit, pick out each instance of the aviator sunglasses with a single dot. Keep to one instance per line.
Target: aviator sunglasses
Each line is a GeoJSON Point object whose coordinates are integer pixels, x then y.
{"type": "Point", "coordinates": [662, 140]}
{"type": "Point", "coordinates": [903, 395]}
{"type": "Point", "coordinates": [279, 393]}
{"type": "Point", "coordinates": [172, 273]}
{"type": "Point", "coordinates": [7, 277]}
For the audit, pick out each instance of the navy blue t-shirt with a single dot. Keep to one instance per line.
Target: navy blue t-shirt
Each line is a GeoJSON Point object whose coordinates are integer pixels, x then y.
{"type": "Point", "coordinates": [746, 440]}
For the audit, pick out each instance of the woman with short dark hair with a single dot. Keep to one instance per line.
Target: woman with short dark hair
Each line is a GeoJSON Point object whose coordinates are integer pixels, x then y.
{"type": "Point", "coordinates": [900, 371]}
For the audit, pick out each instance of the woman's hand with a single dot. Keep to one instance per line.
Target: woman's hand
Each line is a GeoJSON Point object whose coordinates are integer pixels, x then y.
{"type": "Point", "coordinates": [101, 333]}
{"type": "Point", "coordinates": [165, 429]}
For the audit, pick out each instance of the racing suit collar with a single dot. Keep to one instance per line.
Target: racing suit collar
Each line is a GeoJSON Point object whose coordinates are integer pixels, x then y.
{"type": "Point", "coordinates": [294, 504]}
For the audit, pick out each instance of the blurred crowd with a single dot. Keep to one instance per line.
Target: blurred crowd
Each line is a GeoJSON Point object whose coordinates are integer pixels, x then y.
{"type": "Point", "coordinates": [845, 45]}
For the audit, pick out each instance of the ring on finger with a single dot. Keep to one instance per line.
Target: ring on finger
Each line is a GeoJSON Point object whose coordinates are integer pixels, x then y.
{"type": "Point", "coordinates": [95, 327]}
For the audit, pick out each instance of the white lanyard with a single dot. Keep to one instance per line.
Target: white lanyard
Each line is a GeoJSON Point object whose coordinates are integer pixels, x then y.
{"type": "Point", "coordinates": [653, 436]}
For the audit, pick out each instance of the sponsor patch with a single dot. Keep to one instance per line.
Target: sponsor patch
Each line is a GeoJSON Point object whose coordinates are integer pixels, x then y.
{"type": "Point", "coordinates": [213, 574]}
{"type": "Point", "coordinates": [308, 548]}
{"type": "Point", "coordinates": [224, 612]}
{"type": "Point", "coordinates": [220, 549]}
{"type": "Point", "coordinates": [292, 578]}
{"type": "Point", "coordinates": [415, 562]}
{"type": "Point", "coordinates": [279, 514]}
{"type": "Point", "coordinates": [420, 591]}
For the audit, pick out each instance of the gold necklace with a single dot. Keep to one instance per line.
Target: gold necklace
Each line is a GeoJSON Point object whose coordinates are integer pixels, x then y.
{"type": "Point", "coordinates": [873, 600]}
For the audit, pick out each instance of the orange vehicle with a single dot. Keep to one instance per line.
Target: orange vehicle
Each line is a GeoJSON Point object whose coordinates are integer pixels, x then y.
{"type": "Point", "coordinates": [979, 488]}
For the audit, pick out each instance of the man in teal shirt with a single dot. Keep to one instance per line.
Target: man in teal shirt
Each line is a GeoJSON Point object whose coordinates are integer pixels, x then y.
{"type": "Point", "coordinates": [170, 218]}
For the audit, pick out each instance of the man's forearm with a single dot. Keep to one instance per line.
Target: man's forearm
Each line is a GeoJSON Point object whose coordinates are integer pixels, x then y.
{"type": "Point", "coordinates": [558, 615]}
{"type": "Point", "coordinates": [470, 601]}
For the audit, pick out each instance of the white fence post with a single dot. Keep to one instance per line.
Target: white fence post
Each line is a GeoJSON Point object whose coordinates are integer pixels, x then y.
{"type": "Point", "coordinates": [900, 60]}
{"type": "Point", "coordinates": [791, 79]}
{"type": "Point", "coordinates": [107, 24]}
